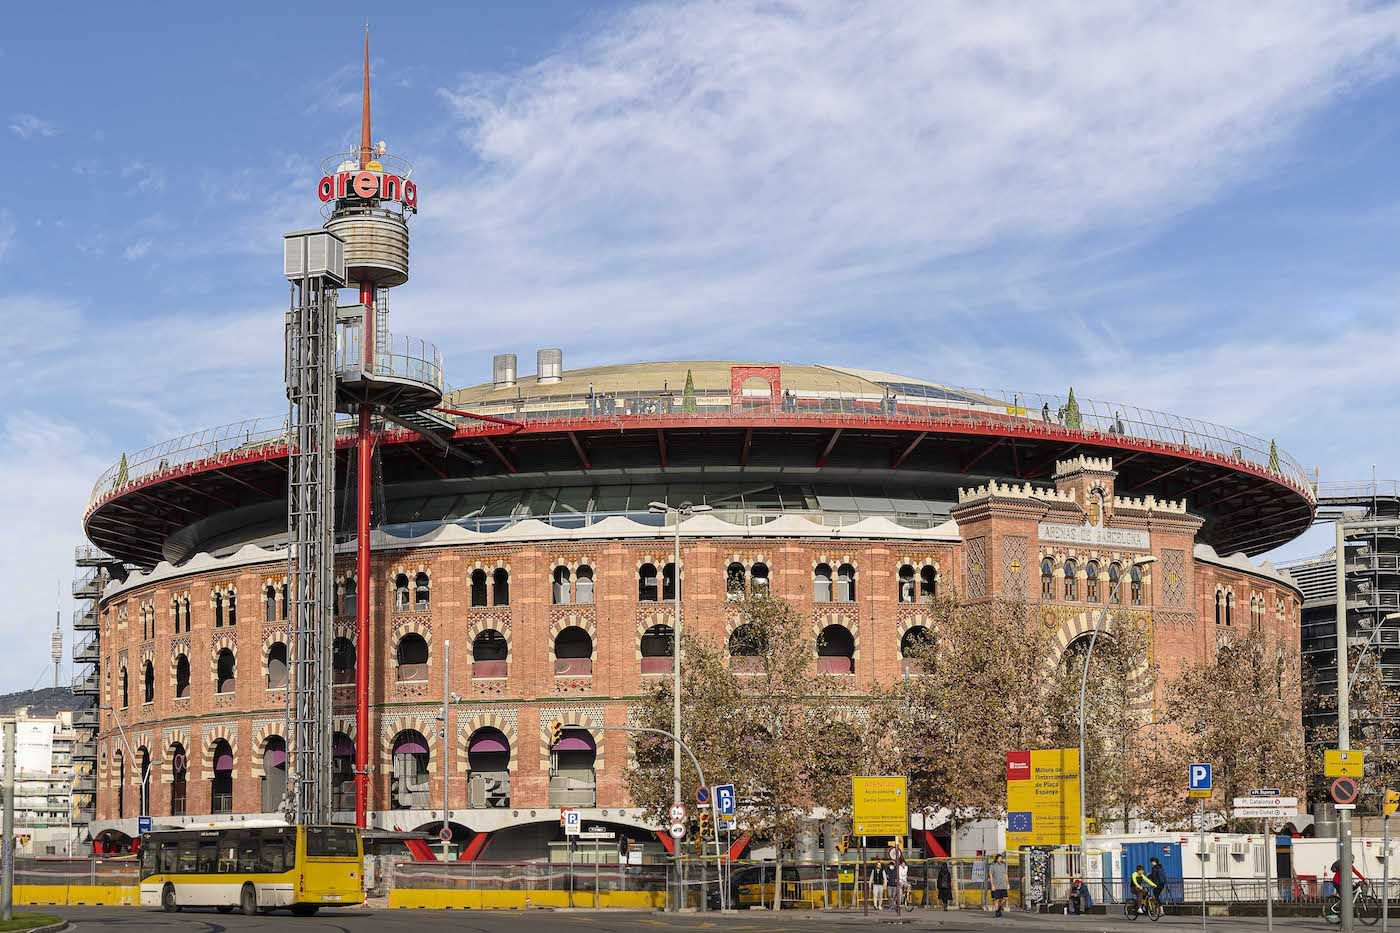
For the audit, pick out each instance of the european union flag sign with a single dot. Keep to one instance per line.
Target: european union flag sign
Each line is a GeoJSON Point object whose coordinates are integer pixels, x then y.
{"type": "Point", "coordinates": [1018, 821]}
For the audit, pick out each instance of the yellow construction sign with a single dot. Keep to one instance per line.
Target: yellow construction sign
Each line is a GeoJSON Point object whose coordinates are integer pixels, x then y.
{"type": "Point", "coordinates": [1344, 763]}
{"type": "Point", "coordinates": [1042, 798]}
{"type": "Point", "coordinates": [879, 806]}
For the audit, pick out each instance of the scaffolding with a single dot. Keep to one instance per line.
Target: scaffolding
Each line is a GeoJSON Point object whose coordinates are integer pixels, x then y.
{"type": "Point", "coordinates": [311, 386]}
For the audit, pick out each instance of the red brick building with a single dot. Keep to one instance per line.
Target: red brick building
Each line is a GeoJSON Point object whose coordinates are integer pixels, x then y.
{"type": "Point", "coordinates": [529, 547]}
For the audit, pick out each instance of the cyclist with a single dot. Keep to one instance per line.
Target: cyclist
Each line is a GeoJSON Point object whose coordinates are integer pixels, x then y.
{"type": "Point", "coordinates": [1337, 876]}
{"type": "Point", "coordinates": [1142, 886]}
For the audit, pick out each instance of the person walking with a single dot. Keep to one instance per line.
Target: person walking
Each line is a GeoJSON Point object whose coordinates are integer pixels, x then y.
{"type": "Point", "coordinates": [877, 884]}
{"type": "Point", "coordinates": [999, 881]}
{"type": "Point", "coordinates": [945, 885]}
{"type": "Point", "coordinates": [892, 885]}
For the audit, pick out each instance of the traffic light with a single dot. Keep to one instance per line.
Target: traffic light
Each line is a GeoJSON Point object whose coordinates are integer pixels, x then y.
{"type": "Point", "coordinates": [844, 844]}
{"type": "Point", "coordinates": [556, 732]}
{"type": "Point", "coordinates": [704, 823]}
{"type": "Point", "coordinates": [624, 846]}
{"type": "Point", "coordinates": [1392, 802]}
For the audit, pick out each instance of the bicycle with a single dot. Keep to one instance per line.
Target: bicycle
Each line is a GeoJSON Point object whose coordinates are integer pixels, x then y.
{"type": "Point", "coordinates": [1145, 903]}
{"type": "Point", "coordinates": [1366, 907]}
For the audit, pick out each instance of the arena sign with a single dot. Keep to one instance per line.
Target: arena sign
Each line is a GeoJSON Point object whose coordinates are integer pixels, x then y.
{"type": "Point", "coordinates": [1096, 535]}
{"type": "Point", "coordinates": [368, 185]}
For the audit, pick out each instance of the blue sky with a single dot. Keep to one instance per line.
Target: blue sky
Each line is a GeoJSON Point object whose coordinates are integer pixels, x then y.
{"type": "Point", "coordinates": [1190, 206]}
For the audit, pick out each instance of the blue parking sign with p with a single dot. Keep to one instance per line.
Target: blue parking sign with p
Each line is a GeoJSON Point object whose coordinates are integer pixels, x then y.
{"type": "Point", "coordinates": [1200, 777]}
{"type": "Point", "coordinates": [724, 800]}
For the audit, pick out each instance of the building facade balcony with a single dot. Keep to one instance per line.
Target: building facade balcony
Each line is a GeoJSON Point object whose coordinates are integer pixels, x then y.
{"type": "Point", "coordinates": [88, 586]}
{"type": "Point", "coordinates": [85, 620]}
{"type": "Point", "coordinates": [85, 651]}
{"type": "Point", "coordinates": [85, 719]}
{"type": "Point", "coordinates": [86, 685]}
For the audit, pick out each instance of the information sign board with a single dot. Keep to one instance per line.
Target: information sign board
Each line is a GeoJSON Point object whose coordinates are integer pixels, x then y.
{"type": "Point", "coordinates": [1349, 763]}
{"type": "Point", "coordinates": [1042, 798]}
{"type": "Point", "coordinates": [880, 806]}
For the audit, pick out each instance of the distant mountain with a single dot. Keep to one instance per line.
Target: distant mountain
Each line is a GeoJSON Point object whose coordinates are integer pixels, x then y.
{"type": "Point", "coordinates": [43, 702]}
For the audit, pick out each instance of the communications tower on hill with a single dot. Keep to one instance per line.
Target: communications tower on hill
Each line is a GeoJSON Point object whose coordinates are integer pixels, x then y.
{"type": "Point", "coordinates": [343, 358]}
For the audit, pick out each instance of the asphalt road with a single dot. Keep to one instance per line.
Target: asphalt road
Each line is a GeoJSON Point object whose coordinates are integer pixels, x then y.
{"type": "Point", "coordinates": [138, 920]}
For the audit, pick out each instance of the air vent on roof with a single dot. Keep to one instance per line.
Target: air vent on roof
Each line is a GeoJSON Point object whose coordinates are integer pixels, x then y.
{"type": "Point", "coordinates": [503, 370]}
{"type": "Point", "coordinates": [549, 365]}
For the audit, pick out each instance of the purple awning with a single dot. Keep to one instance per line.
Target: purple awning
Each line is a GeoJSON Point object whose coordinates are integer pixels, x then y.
{"type": "Point", "coordinates": [223, 762]}
{"type": "Point", "coordinates": [410, 747]}
{"type": "Point", "coordinates": [489, 743]}
{"type": "Point", "coordinates": [274, 757]}
{"type": "Point", "coordinates": [573, 742]}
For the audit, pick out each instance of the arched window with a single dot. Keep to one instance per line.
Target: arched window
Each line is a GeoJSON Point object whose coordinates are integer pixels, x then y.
{"type": "Point", "coordinates": [906, 583]}
{"type": "Point", "coordinates": [277, 666]}
{"type": "Point", "coordinates": [342, 661]}
{"type": "Point", "coordinates": [836, 649]}
{"type": "Point", "coordinates": [412, 657]}
{"type": "Point", "coordinates": [928, 584]}
{"type": "Point", "coordinates": [1091, 581]}
{"type": "Point", "coordinates": [668, 582]}
{"type": "Point", "coordinates": [274, 779]}
{"type": "Point", "coordinates": [224, 678]}
{"type": "Point", "coordinates": [583, 585]}
{"type": "Point", "coordinates": [1071, 579]}
{"type": "Point", "coordinates": [500, 587]}
{"type": "Point", "coordinates": [1047, 579]}
{"type": "Point", "coordinates": [121, 684]}
{"type": "Point", "coordinates": [218, 610]}
{"type": "Point", "coordinates": [182, 677]}
{"type": "Point", "coordinates": [488, 768]}
{"type": "Point", "coordinates": [232, 608]}
{"type": "Point", "coordinates": [845, 584]}
{"type": "Point", "coordinates": [342, 772]}
{"type": "Point", "coordinates": [179, 770]}
{"type": "Point", "coordinates": [573, 652]}
{"type": "Point", "coordinates": [1135, 585]}
{"type": "Point", "coordinates": [1219, 608]}
{"type": "Point", "coordinates": [658, 645]}
{"type": "Point", "coordinates": [120, 765]}
{"type": "Point", "coordinates": [420, 592]}
{"type": "Point", "coordinates": [185, 605]}
{"type": "Point", "coordinates": [916, 649]}
{"type": "Point", "coordinates": [148, 678]}
{"type": "Point", "coordinates": [1229, 608]}
{"type": "Point", "coordinates": [269, 603]}
{"type": "Point", "coordinates": [286, 600]}
{"type": "Point", "coordinates": [758, 578]}
{"type": "Point", "coordinates": [490, 654]}
{"type": "Point", "coordinates": [648, 586]}
{"type": "Point", "coordinates": [478, 588]}
{"type": "Point", "coordinates": [572, 780]}
{"type": "Point", "coordinates": [348, 597]}
{"type": "Point", "coordinates": [1115, 595]}
{"type": "Point", "coordinates": [821, 584]}
{"type": "Point", "coordinates": [734, 576]}
{"type": "Point", "coordinates": [401, 597]}
{"type": "Point", "coordinates": [562, 590]}
{"type": "Point", "coordinates": [221, 789]}
{"type": "Point", "coordinates": [408, 783]}
{"type": "Point", "coordinates": [746, 648]}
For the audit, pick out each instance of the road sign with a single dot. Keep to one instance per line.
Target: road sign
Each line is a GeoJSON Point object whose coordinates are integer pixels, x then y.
{"type": "Point", "coordinates": [677, 830]}
{"type": "Point", "coordinates": [880, 806]}
{"type": "Point", "coordinates": [677, 813]}
{"type": "Point", "coordinates": [1343, 806]}
{"type": "Point", "coordinates": [1199, 777]}
{"type": "Point", "coordinates": [445, 834]}
{"type": "Point", "coordinates": [1265, 792]}
{"type": "Point", "coordinates": [1391, 802]}
{"type": "Point", "coordinates": [1345, 790]}
{"type": "Point", "coordinates": [724, 799]}
{"type": "Point", "coordinates": [573, 822]}
{"type": "Point", "coordinates": [1042, 797]}
{"type": "Point", "coordinates": [597, 835]}
{"type": "Point", "coordinates": [1247, 802]}
{"type": "Point", "coordinates": [702, 795]}
{"type": "Point", "coordinates": [1348, 763]}
{"type": "Point", "coordinates": [143, 824]}
{"type": "Point", "coordinates": [1264, 813]}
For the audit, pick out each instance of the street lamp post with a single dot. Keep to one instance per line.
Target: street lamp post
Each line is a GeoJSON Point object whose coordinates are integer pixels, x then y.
{"type": "Point", "coordinates": [1083, 690]}
{"type": "Point", "coordinates": [677, 512]}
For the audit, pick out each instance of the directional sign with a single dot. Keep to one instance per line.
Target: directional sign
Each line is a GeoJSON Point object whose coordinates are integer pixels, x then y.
{"type": "Point", "coordinates": [1345, 790]}
{"type": "Point", "coordinates": [143, 824]}
{"type": "Point", "coordinates": [677, 830]}
{"type": "Point", "coordinates": [1348, 763]}
{"type": "Point", "coordinates": [677, 813]}
{"type": "Point", "coordinates": [573, 822]}
{"type": "Point", "coordinates": [1265, 792]}
{"type": "Point", "coordinates": [1244, 803]}
{"type": "Point", "coordinates": [880, 806]}
{"type": "Point", "coordinates": [1264, 813]}
{"type": "Point", "coordinates": [702, 795]}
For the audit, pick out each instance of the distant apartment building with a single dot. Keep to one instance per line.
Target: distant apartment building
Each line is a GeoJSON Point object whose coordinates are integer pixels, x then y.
{"type": "Point", "coordinates": [43, 776]}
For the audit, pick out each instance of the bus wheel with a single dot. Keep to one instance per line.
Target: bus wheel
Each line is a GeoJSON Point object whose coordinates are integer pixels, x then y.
{"type": "Point", "coordinates": [304, 910]}
{"type": "Point", "coordinates": [248, 900]}
{"type": "Point", "coordinates": [167, 899]}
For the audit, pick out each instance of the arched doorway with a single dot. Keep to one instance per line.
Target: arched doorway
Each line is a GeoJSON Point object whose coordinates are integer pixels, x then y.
{"type": "Point", "coordinates": [221, 787]}
{"type": "Point", "coordinates": [274, 780]}
{"type": "Point", "coordinates": [488, 768]}
{"type": "Point", "coordinates": [342, 772]}
{"type": "Point", "coordinates": [658, 650]}
{"type": "Point", "coordinates": [572, 779]}
{"type": "Point", "coordinates": [836, 650]}
{"type": "Point", "coordinates": [409, 781]}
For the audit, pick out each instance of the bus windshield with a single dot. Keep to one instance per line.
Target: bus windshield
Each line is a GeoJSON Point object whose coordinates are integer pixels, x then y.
{"type": "Point", "coordinates": [331, 842]}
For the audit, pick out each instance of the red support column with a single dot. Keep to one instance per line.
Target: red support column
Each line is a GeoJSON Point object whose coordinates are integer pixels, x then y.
{"type": "Point", "coordinates": [363, 736]}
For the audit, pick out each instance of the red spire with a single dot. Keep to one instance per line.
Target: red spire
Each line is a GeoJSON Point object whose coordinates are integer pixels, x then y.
{"type": "Point", "coordinates": [365, 144]}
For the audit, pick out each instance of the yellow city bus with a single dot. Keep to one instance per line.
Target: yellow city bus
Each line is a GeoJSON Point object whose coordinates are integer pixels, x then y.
{"type": "Point", "coordinates": [253, 868]}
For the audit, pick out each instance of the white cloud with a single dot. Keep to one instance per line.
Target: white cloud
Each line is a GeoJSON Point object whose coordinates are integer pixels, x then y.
{"type": "Point", "coordinates": [137, 250]}
{"type": "Point", "coordinates": [740, 163]}
{"type": "Point", "coordinates": [144, 177]}
{"type": "Point", "coordinates": [27, 126]}
{"type": "Point", "coordinates": [7, 231]}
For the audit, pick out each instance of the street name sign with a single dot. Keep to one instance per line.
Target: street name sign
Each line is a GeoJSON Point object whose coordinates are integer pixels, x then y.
{"type": "Point", "coordinates": [1244, 803]}
{"type": "Point", "coordinates": [880, 806]}
{"type": "Point", "coordinates": [1265, 792]}
{"type": "Point", "coordinates": [1348, 763]}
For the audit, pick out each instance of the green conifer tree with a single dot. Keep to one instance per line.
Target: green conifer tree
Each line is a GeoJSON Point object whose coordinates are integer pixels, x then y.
{"type": "Point", "coordinates": [1072, 416]}
{"type": "Point", "coordinates": [688, 396]}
